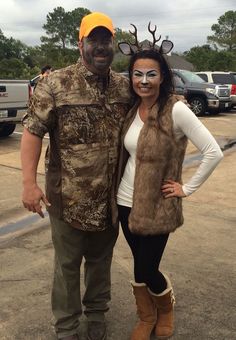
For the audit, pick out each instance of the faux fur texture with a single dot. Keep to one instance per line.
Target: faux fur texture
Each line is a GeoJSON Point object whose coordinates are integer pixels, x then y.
{"type": "Point", "coordinates": [159, 157]}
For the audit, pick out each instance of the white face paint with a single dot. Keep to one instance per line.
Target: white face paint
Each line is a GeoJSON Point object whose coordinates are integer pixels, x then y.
{"type": "Point", "coordinates": [146, 75]}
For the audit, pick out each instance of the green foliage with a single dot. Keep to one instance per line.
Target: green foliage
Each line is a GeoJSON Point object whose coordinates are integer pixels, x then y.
{"type": "Point", "coordinates": [200, 57]}
{"type": "Point", "coordinates": [121, 36]}
{"type": "Point", "coordinates": [204, 58]}
{"type": "Point", "coordinates": [220, 54]}
{"type": "Point", "coordinates": [35, 57]}
{"type": "Point", "coordinates": [224, 32]}
{"type": "Point", "coordinates": [120, 63]}
{"type": "Point", "coordinates": [14, 69]}
{"type": "Point", "coordinates": [62, 27]}
{"type": "Point", "coordinates": [58, 57]}
{"type": "Point", "coordinates": [223, 61]}
{"type": "Point", "coordinates": [75, 19]}
{"type": "Point", "coordinates": [11, 48]}
{"type": "Point", "coordinates": [57, 28]}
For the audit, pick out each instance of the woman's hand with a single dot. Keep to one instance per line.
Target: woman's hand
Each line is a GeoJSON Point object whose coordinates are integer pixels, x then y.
{"type": "Point", "coordinates": [172, 189]}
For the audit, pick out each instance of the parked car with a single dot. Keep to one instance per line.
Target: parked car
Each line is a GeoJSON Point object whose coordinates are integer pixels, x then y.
{"type": "Point", "coordinates": [180, 87]}
{"type": "Point", "coordinates": [14, 96]}
{"type": "Point", "coordinates": [234, 74]}
{"type": "Point", "coordinates": [203, 97]}
{"type": "Point", "coordinates": [34, 81]}
{"type": "Point", "coordinates": [226, 78]}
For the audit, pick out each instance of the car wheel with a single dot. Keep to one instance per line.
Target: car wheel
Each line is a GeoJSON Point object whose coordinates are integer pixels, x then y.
{"type": "Point", "coordinates": [7, 129]}
{"type": "Point", "coordinates": [198, 106]}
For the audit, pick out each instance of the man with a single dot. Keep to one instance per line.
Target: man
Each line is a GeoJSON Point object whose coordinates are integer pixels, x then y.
{"type": "Point", "coordinates": [82, 107]}
{"type": "Point", "coordinates": [45, 71]}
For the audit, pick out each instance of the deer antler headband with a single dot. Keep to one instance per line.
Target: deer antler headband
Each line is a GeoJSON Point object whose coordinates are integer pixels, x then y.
{"type": "Point", "coordinates": [129, 48]}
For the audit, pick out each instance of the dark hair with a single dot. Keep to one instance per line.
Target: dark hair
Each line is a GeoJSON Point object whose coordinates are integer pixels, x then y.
{"type": "Point", "coordinates": [45, 68]}
{"type": "Point", "coordinates": [166, 87]}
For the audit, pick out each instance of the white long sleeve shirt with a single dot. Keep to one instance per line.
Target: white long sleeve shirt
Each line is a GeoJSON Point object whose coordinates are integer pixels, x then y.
{"type": "Point", "coordinates": [184, 123]}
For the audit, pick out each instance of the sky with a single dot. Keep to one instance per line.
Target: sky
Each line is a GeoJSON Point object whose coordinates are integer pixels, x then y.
{"type": "Point", "coordinates": [186, 22]}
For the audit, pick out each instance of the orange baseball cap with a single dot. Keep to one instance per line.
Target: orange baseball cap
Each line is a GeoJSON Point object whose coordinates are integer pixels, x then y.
{"type": "Point", "coordinates": [93, 20]}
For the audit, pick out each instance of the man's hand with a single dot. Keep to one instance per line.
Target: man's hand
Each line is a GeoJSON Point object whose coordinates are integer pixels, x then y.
{"type": "Point", "coordinates": [32, 197]}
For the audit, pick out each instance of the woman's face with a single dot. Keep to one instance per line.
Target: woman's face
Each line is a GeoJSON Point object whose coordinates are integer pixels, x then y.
{"type": "Point", "coordinates": [146, 78]}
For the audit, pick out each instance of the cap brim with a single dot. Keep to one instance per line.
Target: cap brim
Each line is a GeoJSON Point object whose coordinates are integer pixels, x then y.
{"type": "Point", "coordinates": [90, 29]}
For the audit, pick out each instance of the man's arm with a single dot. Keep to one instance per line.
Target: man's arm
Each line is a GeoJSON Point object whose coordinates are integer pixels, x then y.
{"type": "Point", "coordinates": [31, 146]}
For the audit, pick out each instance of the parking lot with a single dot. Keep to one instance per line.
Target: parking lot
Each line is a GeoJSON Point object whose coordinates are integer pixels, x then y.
{"type": "Point", "coordinates": [200, 256]}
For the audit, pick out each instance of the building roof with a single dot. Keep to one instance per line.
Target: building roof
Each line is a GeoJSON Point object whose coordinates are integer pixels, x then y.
{"type": "Point", "coordinates": [174, 60]}
{"type": "Point", "coordinates": [179, 62]}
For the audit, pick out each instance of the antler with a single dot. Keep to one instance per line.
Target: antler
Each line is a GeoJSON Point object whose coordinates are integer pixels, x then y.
{"type": "Point", "coordinates": [135, 36]}
{"type": "Point", "coordinates": [153, 34]}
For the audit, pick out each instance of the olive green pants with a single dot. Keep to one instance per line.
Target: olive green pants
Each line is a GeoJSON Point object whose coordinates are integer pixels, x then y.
{"type": "Point", "coordinates": [71, 246]}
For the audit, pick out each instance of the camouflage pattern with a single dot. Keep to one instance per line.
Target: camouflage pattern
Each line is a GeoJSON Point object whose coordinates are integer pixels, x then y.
{"type": "Point", "coordinates": [84, 123]}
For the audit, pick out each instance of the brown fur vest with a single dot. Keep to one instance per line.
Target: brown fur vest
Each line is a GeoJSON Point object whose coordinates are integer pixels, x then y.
{"type": "Point", "coordinates": [159, 157]}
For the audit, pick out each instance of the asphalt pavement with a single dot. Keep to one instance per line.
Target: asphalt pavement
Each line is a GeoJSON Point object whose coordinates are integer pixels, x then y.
{"type": "Point", "coordinates": [200, 259]}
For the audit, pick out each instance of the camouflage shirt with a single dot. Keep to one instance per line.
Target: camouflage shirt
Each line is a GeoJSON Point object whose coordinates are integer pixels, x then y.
{"type": "Point", "coordinates": [84, 118]}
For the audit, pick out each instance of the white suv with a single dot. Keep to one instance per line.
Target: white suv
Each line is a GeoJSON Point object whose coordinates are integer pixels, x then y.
{"type": "Point", "coordinates": [218, 77]}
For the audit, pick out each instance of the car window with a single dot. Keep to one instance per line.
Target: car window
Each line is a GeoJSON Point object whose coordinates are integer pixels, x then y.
{"type": "Point", "coordinates": [178, 81]}
{"type": "Point", "coordinates": [234, 76]}
{"type": "Point", "coordinates": [221, 78]}
{"type": "Point", "coordinates": [191, 76]}
{"type": "Point", "coordinates": [203, 76]}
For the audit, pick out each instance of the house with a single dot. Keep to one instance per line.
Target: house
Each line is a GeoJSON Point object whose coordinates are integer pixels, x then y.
{"type": "Point", "coordinates": [179, 62]}
{"type": "Point", "coordinates": [174, 60]}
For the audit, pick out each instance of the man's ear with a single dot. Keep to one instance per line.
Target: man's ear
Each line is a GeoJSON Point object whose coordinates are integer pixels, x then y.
{"type": "Point", "coordinates": [80, 45]}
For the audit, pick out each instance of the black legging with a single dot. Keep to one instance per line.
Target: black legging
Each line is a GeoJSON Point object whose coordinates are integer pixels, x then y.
{"type": "Point", "coordinates": [147, 252]}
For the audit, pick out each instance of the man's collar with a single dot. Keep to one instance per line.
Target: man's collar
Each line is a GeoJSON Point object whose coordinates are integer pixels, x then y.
{"type": "Point", "coordinates": [91, 76]}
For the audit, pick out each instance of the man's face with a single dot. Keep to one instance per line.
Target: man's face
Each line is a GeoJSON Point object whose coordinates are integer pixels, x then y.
{"type": "Point", "coordinates": [47, 72]}
{"type": "Point", "coordinates": [97, 50]}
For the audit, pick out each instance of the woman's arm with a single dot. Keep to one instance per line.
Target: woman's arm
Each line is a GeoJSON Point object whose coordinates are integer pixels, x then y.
{"type": "Point", "coordinates": [186, 123]}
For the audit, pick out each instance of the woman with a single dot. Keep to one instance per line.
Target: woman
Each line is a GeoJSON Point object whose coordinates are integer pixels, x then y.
{"type": "Point", "coordinates": [150, 192]}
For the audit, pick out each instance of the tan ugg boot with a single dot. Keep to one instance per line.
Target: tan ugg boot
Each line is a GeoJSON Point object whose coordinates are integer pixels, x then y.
{"type": "Point", "coordinates": [146, 311]}
{"type": "Point", "coordinates": [165, 311]}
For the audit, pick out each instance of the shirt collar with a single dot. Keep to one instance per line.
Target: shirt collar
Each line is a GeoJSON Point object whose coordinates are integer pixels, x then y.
{"type": "Point", "coordinates": [91, 77]}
